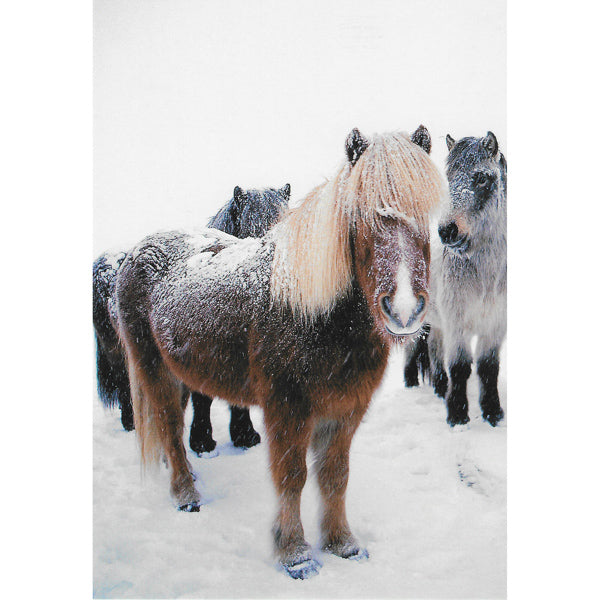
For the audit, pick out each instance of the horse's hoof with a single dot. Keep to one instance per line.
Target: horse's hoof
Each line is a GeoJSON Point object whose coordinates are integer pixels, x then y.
{"type": "Point", "coordinates": [202, 445]}
{"type": "Point", "coordinates": [190, 507]}
{"type": "Point", "coordinates": [350, 550]}
{"type": "Point", "coordinates": [246, 439]}
{"type": "Point", "coordinates": [357, 554]}
{"type": "Point", "coordinates": [209, 455]}
{"type": "Point", "coordinates": [494, 417]}
{"type": "Point", "coordinates": [127, 421]}
{"type": "Point", "coordinates": [303, 570]}
{"type": "Point", "coordinates": [457, 420]}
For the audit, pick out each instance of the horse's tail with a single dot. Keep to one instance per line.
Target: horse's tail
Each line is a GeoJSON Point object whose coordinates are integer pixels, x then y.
{"type": "Point", "coordinates": [417, 359]}
{"type": "Point", "coordinates": [147, 425]}
{"type": "Point", "coordinates": [152, 386]}
{"type": "Point", "coordinates": [111, 369]}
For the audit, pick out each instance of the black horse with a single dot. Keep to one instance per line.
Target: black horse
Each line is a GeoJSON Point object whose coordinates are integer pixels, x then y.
{"type": "Point", "coordinates": [250, 213]}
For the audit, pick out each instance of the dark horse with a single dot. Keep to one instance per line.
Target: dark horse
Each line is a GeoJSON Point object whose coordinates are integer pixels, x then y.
{"type": "Point", "coordinates": [300, 322]}
{"type": "Point", "coordinates": [468, 283]}
{"type": "Point", "coordinates": [250, 213]}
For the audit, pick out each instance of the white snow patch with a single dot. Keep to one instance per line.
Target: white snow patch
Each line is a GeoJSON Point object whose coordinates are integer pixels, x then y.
{"type": "Point", "coordinates": [428, 502]}
{"type": "Point", "coordinates": [226, 260]}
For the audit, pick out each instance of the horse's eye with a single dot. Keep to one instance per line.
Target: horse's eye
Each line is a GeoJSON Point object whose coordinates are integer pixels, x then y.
{"type": "Point", "coordinates": [481, 179]}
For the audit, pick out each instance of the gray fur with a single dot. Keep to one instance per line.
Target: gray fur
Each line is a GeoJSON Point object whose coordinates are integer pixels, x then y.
{"type": "Point", "coordinates": [469, 280]}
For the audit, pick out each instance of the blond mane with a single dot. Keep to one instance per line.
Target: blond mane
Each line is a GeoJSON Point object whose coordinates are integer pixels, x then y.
{"type": "Point", "coordinates": [312, 265]}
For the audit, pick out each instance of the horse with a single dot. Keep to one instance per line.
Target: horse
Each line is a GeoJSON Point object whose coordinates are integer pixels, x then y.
{"type": "Point", "coordinates": [249, 213]}
{"type": "Point", "coordinates": [299, 322]}
{"type": "Point", "coordinates": [468, 283]}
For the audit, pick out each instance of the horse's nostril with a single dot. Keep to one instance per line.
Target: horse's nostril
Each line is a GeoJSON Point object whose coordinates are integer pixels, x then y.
{"type": "Point", "coordinates": [448, 233]}
{"type": "Point", "coordinates": [387, 305]}
{"type": "Point", "coordinates": [421, 303]}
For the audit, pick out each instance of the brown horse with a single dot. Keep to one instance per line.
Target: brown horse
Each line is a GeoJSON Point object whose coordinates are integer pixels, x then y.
{"type": "Point", "coordinates": [300, 322]}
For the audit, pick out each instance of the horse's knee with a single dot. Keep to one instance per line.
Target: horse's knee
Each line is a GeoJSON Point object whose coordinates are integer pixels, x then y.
{"type": "Point", "coordinates": [460, 370]}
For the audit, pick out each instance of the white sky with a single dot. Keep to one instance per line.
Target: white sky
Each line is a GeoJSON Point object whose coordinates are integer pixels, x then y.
{"type": "Point", "coordinates": [192, 97]}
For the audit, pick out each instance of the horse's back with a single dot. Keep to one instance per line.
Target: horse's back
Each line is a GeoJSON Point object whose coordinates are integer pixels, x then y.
{"type": "Point", "coordinates": [200, 292]}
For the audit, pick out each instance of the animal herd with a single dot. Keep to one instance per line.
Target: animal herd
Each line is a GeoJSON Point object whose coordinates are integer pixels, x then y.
{"type": "Point", "coordinates": [297, 310]}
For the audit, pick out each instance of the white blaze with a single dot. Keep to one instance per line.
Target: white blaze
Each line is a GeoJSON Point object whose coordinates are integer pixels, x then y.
{"type": "Point", "coordinates": [404, 302]}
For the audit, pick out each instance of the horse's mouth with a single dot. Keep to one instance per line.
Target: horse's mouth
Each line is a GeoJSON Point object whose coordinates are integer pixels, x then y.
{"type": "Point", "coordinates": [461, 245]}
{"type": "Point", "coordinates": [402, 334]}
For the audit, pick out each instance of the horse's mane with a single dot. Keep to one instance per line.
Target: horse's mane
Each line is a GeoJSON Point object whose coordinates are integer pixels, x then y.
{"type": "Point", "coordinates": [312, 265]}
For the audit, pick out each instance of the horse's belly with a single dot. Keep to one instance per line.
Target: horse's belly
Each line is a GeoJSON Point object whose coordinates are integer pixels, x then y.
{"type": "Point", "coordinates": [208, 357]}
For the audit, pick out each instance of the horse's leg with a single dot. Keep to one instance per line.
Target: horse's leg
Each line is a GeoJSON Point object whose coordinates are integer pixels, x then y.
{"type": "Point", "coordinates": [488, 366]}
{"type": "Point", "coordinates": [439, 378]}
{"type": "Point", "coordinates": [169, 415]}
{"type": "Point", "coordinates": [417, 359]}
{"type": "Point", "coordinates": [158, 413]}
{"type": "Point", "coordinates": [331, 443]}
{"type": "Point", "coordinates": [201, 439]}
{"type": "Point", "coordinates": [243, 434]}
{"type": "Point", "coordinates": [288, 434]}
{"type": "Point", "coordinates": [460, 360]}
{"type": "Point", "coordinates": [184, 394]}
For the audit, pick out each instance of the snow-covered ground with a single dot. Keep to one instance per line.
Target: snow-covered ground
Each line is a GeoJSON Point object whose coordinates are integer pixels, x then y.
{"type": "Point", "coordinates": [193, 98]}
{"type": "Point", "coordinates": [427, 501]}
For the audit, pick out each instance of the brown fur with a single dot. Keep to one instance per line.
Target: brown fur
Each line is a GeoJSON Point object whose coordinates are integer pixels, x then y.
{"type": "Point", "coordinates": [313, 377]}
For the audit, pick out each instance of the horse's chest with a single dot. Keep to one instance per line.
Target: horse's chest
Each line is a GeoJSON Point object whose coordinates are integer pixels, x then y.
{"type": "Point", "coordinates": [484, 304]}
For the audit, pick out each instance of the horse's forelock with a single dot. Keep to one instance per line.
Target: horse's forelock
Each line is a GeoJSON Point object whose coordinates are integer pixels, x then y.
{"type": "Point", "coordinates": [395, 178]}
{"type": "Point", "coordinates": [312, 265]}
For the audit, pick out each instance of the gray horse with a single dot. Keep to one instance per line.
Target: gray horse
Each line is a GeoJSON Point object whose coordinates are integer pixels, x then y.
{"type": "Point", "coordinates": [468, 284]}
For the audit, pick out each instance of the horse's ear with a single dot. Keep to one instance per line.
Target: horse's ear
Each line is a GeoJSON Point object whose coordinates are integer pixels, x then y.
{"type": "Point", "coordinates": [422, 138]}
{"type": "Point", "coordinates": [450, 141]}
{"type": "Point", "coordinates": [238, 194]}
{"type": "Point", "coordinates": [356, 144]}
{"type": "Point", "coordinates": [490, 143]}
{"type": "Point", "coordinates": [285, 190]}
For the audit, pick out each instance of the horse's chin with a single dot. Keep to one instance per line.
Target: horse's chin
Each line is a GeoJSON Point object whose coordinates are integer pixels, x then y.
{"type": "Point", "coordinates": [400, 335]}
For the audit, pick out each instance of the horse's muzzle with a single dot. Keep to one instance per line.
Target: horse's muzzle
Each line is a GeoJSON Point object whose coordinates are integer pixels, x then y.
{"type": "Point", "coordinates": [409, 321]}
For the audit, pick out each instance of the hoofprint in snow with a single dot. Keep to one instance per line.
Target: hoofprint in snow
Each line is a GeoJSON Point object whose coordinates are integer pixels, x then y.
{"type": "Point", "coordinates": [429, 503]}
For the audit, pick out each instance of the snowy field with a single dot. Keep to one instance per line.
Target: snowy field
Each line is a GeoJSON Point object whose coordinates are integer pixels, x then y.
{"type": "Point", "coordinates": [192, 98]}
{"type": "Point", "coordinates": [427, 501]}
